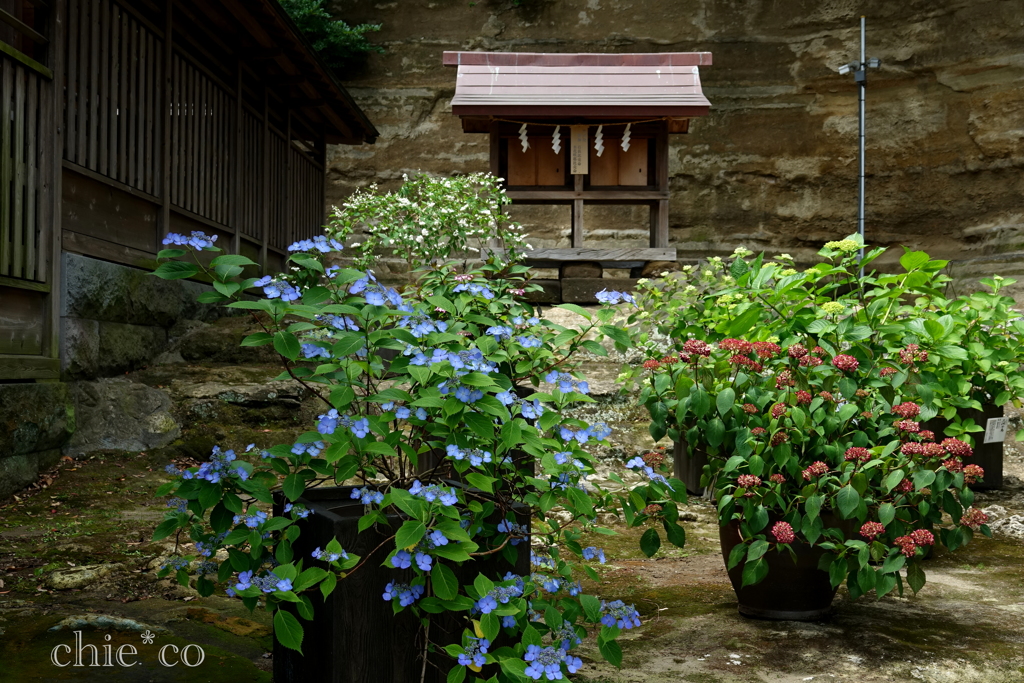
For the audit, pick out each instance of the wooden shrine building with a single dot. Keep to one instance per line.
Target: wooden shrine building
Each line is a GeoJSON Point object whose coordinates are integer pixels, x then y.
{"type": "Point", "coordinates": [123, 120]}
{"type": "Point", "coordinates": [575, 129]}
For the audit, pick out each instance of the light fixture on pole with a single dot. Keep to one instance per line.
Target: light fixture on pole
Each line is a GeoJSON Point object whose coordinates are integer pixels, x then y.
{"type": "Point", "coordinates": [860, 76]}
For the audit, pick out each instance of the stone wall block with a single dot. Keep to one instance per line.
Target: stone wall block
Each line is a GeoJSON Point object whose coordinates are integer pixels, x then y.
{"type": "Point", "coordinates": [117, 413]}
{"type": "Point", "coordinates": [34, 417]}
{"type": "Point", "coordinates": [584, 290]}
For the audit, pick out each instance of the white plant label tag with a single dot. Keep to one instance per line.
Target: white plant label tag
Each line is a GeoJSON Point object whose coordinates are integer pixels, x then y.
{"type": "Point", "coordinates": [995, 430]}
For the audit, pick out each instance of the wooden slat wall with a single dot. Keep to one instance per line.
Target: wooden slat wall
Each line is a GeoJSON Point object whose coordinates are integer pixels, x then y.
{"type": "Point", "coordinates": [270, 188]}
{"type": "Point", "coordinates": [23, 97]}
{"type": "Point", "coordinates": [111, 112]}
{"type": "Point", "coordinates": [306, 195]}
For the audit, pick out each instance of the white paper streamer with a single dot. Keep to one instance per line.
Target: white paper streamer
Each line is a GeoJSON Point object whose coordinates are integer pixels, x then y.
{"type": "Point", "coordinates": [599, 141]}
{"type": "Point", "coordinates": [625, 138]}
{"type": "Point", "coordinates": [522, 137]}
{"type": "Point", "coordinates": [556, 140]}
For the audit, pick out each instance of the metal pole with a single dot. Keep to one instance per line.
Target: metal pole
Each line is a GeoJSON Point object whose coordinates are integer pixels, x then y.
{"type": "Point", "coordinates": [863, 88]}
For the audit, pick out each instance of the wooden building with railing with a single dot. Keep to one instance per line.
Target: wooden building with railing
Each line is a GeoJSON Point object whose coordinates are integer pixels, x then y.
{"type": "Point", "coordinates": [123, 120]}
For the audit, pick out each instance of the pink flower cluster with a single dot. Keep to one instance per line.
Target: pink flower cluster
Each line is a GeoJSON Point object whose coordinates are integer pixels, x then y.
{"type": "Point", "coordinates": [748, 481]}
{"type": "Point", "coordinates": [913, 353]}
{"type": "Point", "coordinates": [783, 532]}
{"type": "Point", "coordinates": [652, 364]}
{"type": "Point", "coordinates": [797, 351]}
{"type": "Point", "coordinates": [784, 379]}
{"type": "Point", "coordinates": [815, 469]}
{"type": "Point", "coordinates": [957, 448]}
{"type": "Point", "coordinates": [740, 359]}
{"type": "Point", "coordinates": [972, 473]}
{"type": "Point", "coordinates": [973, 518]}
{"type": "Point", "coordinates": [779, 438]}
{"type": "Point", "coordinates": [777, 479]}
{"type": "Point", "coordinates": [737, 345]}
{"type": "Point", "coordinates": [907, 426]}
{"type": "Point", "coordinates": [750, 409]}
{"type": "Point", "coordinates": [907, 410]}
{"type": "Point", "coordinates": [887, 372]}
{"type": "Point", "coordinates": [871, 530]}
{"type": "Point", "coordinates": [778, 410]}
{"type": "Point", "coordinates": [803, 398]}
{"type": "Point", "coordinates": [697, 348]}
{"type": "Point", "coordinates": [845, 362]}
{"type": "Point", "coordinates": [766, 349]}
{"type": "Point", "coordinates": [908, 545]}
{"type": "Point", "coordinates": [858, 454]}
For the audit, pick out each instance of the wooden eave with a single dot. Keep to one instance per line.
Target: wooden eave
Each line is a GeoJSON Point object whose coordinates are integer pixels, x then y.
{"type": "Point", "coordinates": [267, 34]}
{"type": "Point", "coordinates": [578, 88]}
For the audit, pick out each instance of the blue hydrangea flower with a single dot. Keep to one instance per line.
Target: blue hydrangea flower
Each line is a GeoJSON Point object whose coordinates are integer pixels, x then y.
{"type": "Point", "coordinates": [367, 496]}
{"type": "Point", "coordinates": [315, 351]}
{"type": "Point", "coordinates": [617, 613]}
{"type": "Point", "coordinates": [566, 382]}
{"type": "Point", "coordinates": [531, 410]}
{"type": "Point", "coordinates": [500, 332]}
{"type": "Point", "coordinates": [474, 289]}
{"type": "Point", "coordinates": [404, 593]}
{"type": "Point", "coordinates": [244, 581]}
{"type": "Point", "coordinates": [475, 648]}
{"type": "Point", "coordinates": [329, 557]}
{"type": "Point", "coordinates": [517, 531]}
{"type": "Point", "coordinates": [506, 398]}
{"type": "Point", "coordinates": [529, 342]}
{"type": "Point", "coordinates": [592, 552]}
{"type": "Point", "coordinates": [327, 422]}
{"type": "Point", "coordinates": [607, 297]}
{"type": "Point", "coordinates": [198, 240]}
{"type": "Point", "coordinates": [401, 560]}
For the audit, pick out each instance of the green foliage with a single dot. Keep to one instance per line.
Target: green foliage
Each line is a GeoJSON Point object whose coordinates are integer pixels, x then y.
{"type": "Point", "coordinates": [430, 220]}
{"type": "Point", "coordinates": [340, 46]}
{"type": "Point", "coordinates": [805, 390]}
{"type": "Point", "coordinates": [477, 391]}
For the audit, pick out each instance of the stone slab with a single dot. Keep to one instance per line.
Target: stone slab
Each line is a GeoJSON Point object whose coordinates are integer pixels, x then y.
{"type": "Point", "coordinates": [577, 270]}
{"type": "Point", "coordinates": [550, 293]}
{"type": "Point", "coordinates": [34, 417]}
{"type": "Point", "coordinates": [584, 290]}
{"type": "Point", "coordinates": [117, 413]}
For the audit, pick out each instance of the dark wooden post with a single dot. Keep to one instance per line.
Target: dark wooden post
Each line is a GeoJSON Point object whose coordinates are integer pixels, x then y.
{"type": "Point", "coordinates": [165, 139]}
{"type": "Point", "coordinates": [577, 213]}
{"type": "Point", "coordinates": [236, 165]}
{"type": "Point", "coordinates": [265, 199]}
{"type": "Point", "coordinates": [659, 209]}
{"type": "Point", "coordinates": [50, 174]}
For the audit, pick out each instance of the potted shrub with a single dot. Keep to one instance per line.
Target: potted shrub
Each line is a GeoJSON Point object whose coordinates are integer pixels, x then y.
{"type": "Point", "coordinates": [805, 391]}
{"type": "Point", "coordinates": [453, 459]}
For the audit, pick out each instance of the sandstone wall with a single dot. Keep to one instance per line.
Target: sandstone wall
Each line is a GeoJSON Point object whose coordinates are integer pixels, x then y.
{"type": "Point", "coordinates": [775, 164]}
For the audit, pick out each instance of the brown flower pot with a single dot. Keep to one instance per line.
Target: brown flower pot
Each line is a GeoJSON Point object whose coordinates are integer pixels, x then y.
{"type": "Point", "coordinates": [989, 456]}
{"type": "Point", "coordinates": [792, 592]}
{"type": "Point", "coordinates": [688, 464]}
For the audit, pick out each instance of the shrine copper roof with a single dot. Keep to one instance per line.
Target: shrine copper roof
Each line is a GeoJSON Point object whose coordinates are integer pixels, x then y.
{"type": "Point", "coordinates": [581, 85]}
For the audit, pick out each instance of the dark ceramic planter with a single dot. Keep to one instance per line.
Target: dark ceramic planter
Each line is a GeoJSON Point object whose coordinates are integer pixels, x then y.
{"type": "Point", "coordinates": [989, 456]}
{"type": "Point", "coordinates": [688, 464]}
{"type": "Point", "coordinates": [354, 636]}
{"type": "Point", "coordinates": [790, 592]}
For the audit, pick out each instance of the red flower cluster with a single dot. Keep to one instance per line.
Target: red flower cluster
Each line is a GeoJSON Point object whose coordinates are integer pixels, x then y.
{"type": "Point", "coordinates": [922, 537]}
{"type": "Point", "coordinates": [906, 410]}
{"type": "Point", "coordinates": [748, 481]}
{"type": "Point", "coordinates": [827, 396]}
{"type": "Point", "coordinates": [932, 450]}
{"type": "Point", "coordinates": [803, 398]}
{"type": "Point", "coordinates": [737, 345]}
{"type": "Point", "coordinates": [783, 532]}
{"type": "Point", "coordinates": [651, 364]}
{"type": "Point", "coordinates": [907, 426]}
{"type": "Point", "coordinates": [913, 353]}
{"type": "Point", "coordinates": [784, 379]}
{"type": "Point", "coordinates": [740, 359]}
{"type": "Point", "coordinates": [758, 431]}
{"type": "Point", "coordinates": [778, 410]}
{"type": "Point", "coordinates": [905, 486]}
{"type": "Point", "coordinates": [697, 347]}
{"type": "Point", "coordinates": [815, 469]}
{"type": "Point", "coordinates": [926, 435]}
{"type": "Point", "coordinates": [653, 458]}
{"type": "Point", "coordinates": [750, 409]}
{"type": "Point", "coordinates": [906, 545]}
{"type": "Point", "coordinates": [958, 448]}
{"type": "Point", "coordinates": [857, 453]}
{"type": "Point", "coordinates": [797, 351]}
{"type": "Point", "coordinates": [953, 465]}
{"type": "Point", "coordinates": [652, 509]}
{"type": "Point", "coordinates": [973, 518]}
{"type": "Point", "coordinates": [779, 438]}
{"type": "Point", "coordinates": [777, 479]}
{"type": "Point", "coordinates": [887, 372]}
{"type": "Point", "coordinates": [871, 530]}
{"type": "Point", "coordinates": [669, 360]}
{"type": "Point", "coordinates": [845, 362]}
{"type": "Point", "coordinates": [810, 361]}
{"type": "Point", "coordinates": [767, 349]}
{"type": "Point", "coordinates": [972, 473]}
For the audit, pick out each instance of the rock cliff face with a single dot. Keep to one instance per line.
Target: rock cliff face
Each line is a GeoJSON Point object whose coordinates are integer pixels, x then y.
{"type": "Point", "coordinates": [775, 164]}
